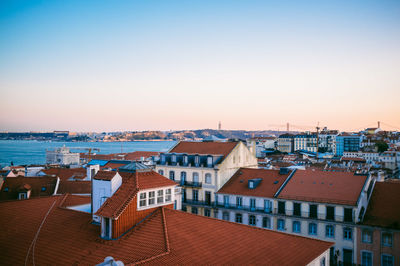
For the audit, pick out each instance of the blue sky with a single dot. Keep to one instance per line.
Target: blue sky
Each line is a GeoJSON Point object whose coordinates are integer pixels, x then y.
{"type": "Point", "coordinates": [137, 65]}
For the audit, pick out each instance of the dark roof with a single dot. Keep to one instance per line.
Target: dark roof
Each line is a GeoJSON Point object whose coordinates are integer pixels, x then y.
{"type": "Point", "coordinates": [135, 166]}
{"type": "Point", "coordinates": [167, 237]}
{"type": "Point", "coordinates": [383, 208]}
{"type": "Point", "coordinates": [66, 173]}
{"type": "Point", "coordinates": [238, 183]}
{"type": "Point", "coordinates": [204, 148]}
{"type": "Point", "coordinates": [39, 186]}
{"type": "Point", "coordinates": [75, 187]}
{"type": "Point", "coordinates": [105, 175]}
{"type": "Point", "coordinates": [327, 187]}
{"type": "Point", "coordinates": [131, 184]}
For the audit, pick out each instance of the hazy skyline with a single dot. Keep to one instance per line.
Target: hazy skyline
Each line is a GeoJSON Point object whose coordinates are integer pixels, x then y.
{"type": "Point", "coordinates": [162, 65]}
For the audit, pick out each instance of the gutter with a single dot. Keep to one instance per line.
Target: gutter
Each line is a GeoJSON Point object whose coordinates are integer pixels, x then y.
{"type": "Point", "coordinates": [57, 185]}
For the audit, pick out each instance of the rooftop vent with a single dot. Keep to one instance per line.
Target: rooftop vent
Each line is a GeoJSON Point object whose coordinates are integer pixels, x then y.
{"type": "Point", "coordinates": [283, 171]}
{"type": "Point", "coordinates": [253, 183]}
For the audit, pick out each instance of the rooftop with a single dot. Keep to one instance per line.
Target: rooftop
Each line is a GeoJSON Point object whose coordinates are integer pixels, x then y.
{"type": "Point", "coordinates": [66, 173]}
{"type": "Point", "coordinates": [328, 187]}
{"type": "Point", "coordinates": [238, 183]}
{"type": "Point", "coordinates": [205, 148]}
{"type": "Point", "coordinates": [165, 237]}
{"type": "Point", "coordinates": [131, 184]}
{"type": "Point", "coordinates": [40, 186]}
{"type": "Point", "coordinates": [383, 209]}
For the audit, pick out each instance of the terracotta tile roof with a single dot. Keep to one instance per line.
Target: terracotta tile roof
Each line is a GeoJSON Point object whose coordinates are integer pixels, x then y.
{"type": "Point", "coordinates": [75, 187]}
{"type": "Point", "coordinates": [13, 185]}
{"type": "Point", "coordinates": [328, 187]}
{"type": "Point", "coordinates": [131, 184]}
{"type": "Point", "coordinates": [354, 159]}
{"type": "Point", "coordinates": [137, 155]}
{"type": "Point", "coordinates": [105, 175]}
{"type": "Point", "coordinates": [383, 209]}
{"type": "Point", "coordinates": [130, 156]}
{"type": "Point", "coordinates": [213, 148]}
{"type": "Point", "coordinates": [66, 173]}
{"type": "Point", "coordinates": [113, 165]}
{"type": "Point", "coordinates": [238, 183]}
{"type": "Point", "coordinates": [166, 237]}
{"type": "Point", "coordinates": [69, 200]}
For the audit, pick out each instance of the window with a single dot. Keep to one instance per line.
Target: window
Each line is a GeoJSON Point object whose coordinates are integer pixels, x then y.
{"type": "Point", "coordinates": [366, 236]}
{"type": "Point", "coordinates": [197, 160]}
{"type": "Point", "coordinates": [252, 204]}
{"type": "Point", "coordinates": [142, 202]}
{"type": "Point", "coordinates": [209, 161]}
{"type": "Point", "coordinates": [184, 208]}
{"type": "Point", "coordinates": [160, 196]}
{"type": "Point", "coordinates": [207, 195]}
{"type": "Point", "coordinates": [168, 195]}
{"type": "Point", "coordinates": [43, 189]}
{"type": "Point", "coordinates": [266, 222]}
{"type": "Point", "coordinates": [296, 227]}
{"type": "Point", "coordinates": [387, 260]}
{"type": "Point", "coordinates": [252, 220]}
{"type": "Point", "coordinates": [366, 258]}
{"type": "Point", "coordinates": [208, 179]}
{"type": "Point", "coordinates": [322, 262]}
{"type": "Point", "coordinates": [226, 201]}
{"type": "Point", "coordinates": [207, 212]}
{"type": "Point", "coordinates": [297, 209]}
{"type": "Point", "coordinates": [194, 210]}
{"type": "Point", "coordinates": [225, 216]}
{"type": "Point", "coordinates": [267, 206]}
{"type": "Point", "coordinates": [348, 215]}
{"type": "Point", "coordinates": [281, 207]}
{"type": "Point", "coordinates": [173, 158]}
{"type": "Point", "coordinates": [239, 201]}
{"type": "Point", "coordinates": [172, 175]}
{"type": "Point", "coordinates": [330, 213]}
{"type": "Point", "coordinates": [195, 195]}
{"type": "Point", "coordinates": [183, 177]}
{"type": "Point", "coordinates": [239, 218]}
{"type": "Point", "coordinates": [281, 225]}
{"type": "Point", "coordinates": [185, 159]}
{"type": "Point", "coordinates": [313, 211]}
{"type": "Point", "coordinates": [161, 172]}
{"type": "Point", "coordinates": [347, 233]}
{"type": "Point", "coordinates": [330, 231]}
{"type": "Point", "coordinates": [386, 239]}
{"type": "Point", "coordinates": [152, 197]}
{"type": "Point", "coordinates": [195, 177]}
{"type": "Point", "coordinates": [183, 195]}
{"type": "Point", "coordinates": [312, 228]}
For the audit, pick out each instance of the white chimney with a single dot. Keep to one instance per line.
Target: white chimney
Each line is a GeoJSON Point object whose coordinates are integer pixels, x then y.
{"type": "Point", "coordinates": [91, 171]}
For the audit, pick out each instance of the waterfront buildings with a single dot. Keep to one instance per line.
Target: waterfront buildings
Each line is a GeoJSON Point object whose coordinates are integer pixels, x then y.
{"type": "Point", "coordinates": [201, 168]}
{"type": "Point", "coordinates": [62, 156]}
{"type": "Point", "coordinates": [316, 204]}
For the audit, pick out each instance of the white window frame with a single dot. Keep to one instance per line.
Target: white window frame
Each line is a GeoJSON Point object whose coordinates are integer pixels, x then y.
{"type": "Point", "coordinates": [372, 257]}
{"type": "Point", "coordinates": [152, 194]}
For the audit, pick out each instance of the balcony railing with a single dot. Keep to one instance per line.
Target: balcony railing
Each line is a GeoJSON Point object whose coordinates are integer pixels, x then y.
{"type": "Point", "coordinates": [244, 208]}
{"type": "Point", "coordinates": [189, 184]}
{"type": "Point", "coordinates": [198, 202]}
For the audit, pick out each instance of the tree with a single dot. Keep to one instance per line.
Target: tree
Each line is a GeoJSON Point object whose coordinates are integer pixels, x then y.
{"type": "Point", "coordinates": [382, 146]}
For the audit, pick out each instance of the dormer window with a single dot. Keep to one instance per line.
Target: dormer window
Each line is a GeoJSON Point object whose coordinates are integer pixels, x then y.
{"type": "Point", "coordinates": [185, 159]}
{"type": "Point", "coordinates": [142, 200]}
{"type": "Point", "coordinates": [209, 161]}
{"type": "Point", "coordinates": [197, 160]}
{"type": "Point", "coordinates": [160, 196]}
{"type": "Point", "coordinates": [152, 197]}
{"type": "Point", "coordinates": [173, 158]}
{"type": "Point", "coordinates": [251, 184]}
{"type": "Point", "coordinates": [168, 195]}
{"type": "Point", "coordinates": [162, 158]}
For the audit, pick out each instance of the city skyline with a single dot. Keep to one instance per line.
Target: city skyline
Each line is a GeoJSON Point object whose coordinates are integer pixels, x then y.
{"type": "Point", "coordinates": [170, 65]}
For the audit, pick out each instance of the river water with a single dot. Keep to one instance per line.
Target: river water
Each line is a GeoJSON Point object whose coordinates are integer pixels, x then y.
{"type": "Point", "coordinates": [22, 152]}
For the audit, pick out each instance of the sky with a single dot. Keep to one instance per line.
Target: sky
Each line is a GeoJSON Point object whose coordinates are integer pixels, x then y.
{"type": "Point", "coordinates": [172, 65]}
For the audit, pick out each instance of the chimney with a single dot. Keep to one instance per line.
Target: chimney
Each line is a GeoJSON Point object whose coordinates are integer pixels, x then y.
{"type": "Point", "coordinates": [91, 171]}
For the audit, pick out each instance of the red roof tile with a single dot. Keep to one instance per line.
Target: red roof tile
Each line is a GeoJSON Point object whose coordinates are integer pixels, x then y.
{"type": "Point", "coordinates": [131, 184]}
{"type": "Point", "coordinates": [328, 187]}
{"type": "Point", "coordinates": [66, 173]}
{"type": "Point", "coordinates": [238, 183]}
{"type": "Point", "coordinates": [105, 175]}
{"type": "Point", "coordinates": [137, 155]}
{"type": "Point", "coordinates": [213, 148]}
{"type": "Point", "coordinates": [383, 208]}
{"type": "Point", "coordinates": [168, 237]}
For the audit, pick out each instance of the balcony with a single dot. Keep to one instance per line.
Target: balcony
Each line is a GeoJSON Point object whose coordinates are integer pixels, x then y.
{"type": "Point", "coordinates": [190, 184]}
{"type": "Point", "coordinates": [244, 208]}
{"type": "Point", "coordinates": [198, 202]}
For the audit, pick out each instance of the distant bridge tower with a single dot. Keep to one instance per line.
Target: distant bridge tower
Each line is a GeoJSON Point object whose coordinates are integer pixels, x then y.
{"type": "Point", "coordinates": [379, 124]}
{"type": "Point", "coordinates": [219, 125]}
{"type": "Point", "coordinates": [287, 127]}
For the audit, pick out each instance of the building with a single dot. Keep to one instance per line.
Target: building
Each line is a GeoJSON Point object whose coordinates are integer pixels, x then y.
{"type": "Point", "coordinates": [316, 204]}
{"type": "Point", "coordinates": [139, 226]}
{"type": "Point", "coordinates": [62, 156]}
{"type": "Point", "coordinates": [347, 143]}
{"type": "Point", "coordinates": [305, 142]}
{"type": "Point", "coordinates": [285, 143]}
{"type": "Point", "coordinates": [201, 168]}
{"type": "Point", "coordinates": [327, 140]}
{"type": "Point", "coordinates": [379, 233]}
{"type": "Point", "coordinates": [260, 144]}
